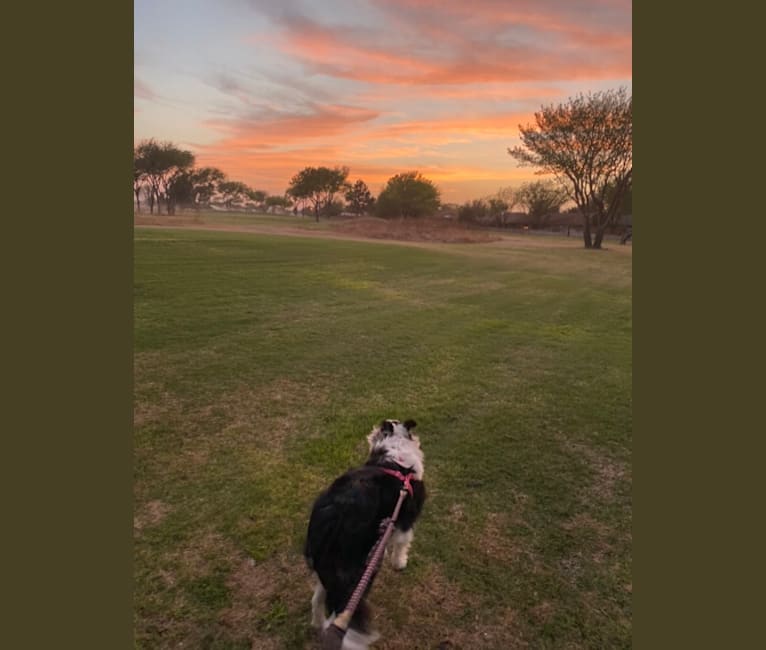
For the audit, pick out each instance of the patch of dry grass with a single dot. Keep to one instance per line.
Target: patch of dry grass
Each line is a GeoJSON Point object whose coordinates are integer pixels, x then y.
{"type": "Point", "coordinates": [418, 230]}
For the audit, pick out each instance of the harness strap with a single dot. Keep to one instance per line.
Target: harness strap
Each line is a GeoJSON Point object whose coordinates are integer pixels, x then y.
{"type": "Point", "coordinates": [404, 478]}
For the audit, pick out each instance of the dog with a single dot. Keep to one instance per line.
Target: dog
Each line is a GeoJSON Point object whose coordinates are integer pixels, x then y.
{"type": "Point", "coordinates": [346, 521]}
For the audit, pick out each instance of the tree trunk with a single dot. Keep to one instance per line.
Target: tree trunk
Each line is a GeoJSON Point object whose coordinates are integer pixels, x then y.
{"type": "Point", "coordinates": [586, 232]}
{"type": "Point", "coordinates": [599, 238]}
{"type": "Point", "coordinates": [138, 201]}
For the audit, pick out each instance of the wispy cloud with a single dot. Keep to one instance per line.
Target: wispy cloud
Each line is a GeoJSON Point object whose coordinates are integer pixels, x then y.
{"type": "Point", "coordinates": [142, 91]}
{"type": "Point", "coordinates": [455, 42]}
{"type": "Point", "coordinates": [268, 127]}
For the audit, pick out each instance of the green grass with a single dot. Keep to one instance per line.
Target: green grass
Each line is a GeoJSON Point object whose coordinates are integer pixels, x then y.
{"type": "Point", "coordinates": [262, 362]}
{"type": "Point", "coordinates": [210, 217]}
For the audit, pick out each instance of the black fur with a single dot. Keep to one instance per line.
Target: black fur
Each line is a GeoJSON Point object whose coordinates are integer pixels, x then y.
{"type": "Point", "coordinates": [345, 524]}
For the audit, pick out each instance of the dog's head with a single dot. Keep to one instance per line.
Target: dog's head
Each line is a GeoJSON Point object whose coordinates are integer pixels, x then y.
{"type": "Point", "coordinates": [394, 440]}
{"type": "Point", "coordinates": [390, 429]}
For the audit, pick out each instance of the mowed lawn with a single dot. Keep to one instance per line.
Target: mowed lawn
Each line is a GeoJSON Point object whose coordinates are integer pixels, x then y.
{"type": "Point", "coordinates": [261, 363]}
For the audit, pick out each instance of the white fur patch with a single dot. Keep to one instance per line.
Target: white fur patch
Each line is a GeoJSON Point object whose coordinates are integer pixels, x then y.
{"type": "Point", "coordinates": [400, 548]}
{"type": "Point", "coordinates": [357, 641]}
{"type": "Point", "coordinates": [318, 618]}
{"type": "Point", "coordinates": [353, 639]}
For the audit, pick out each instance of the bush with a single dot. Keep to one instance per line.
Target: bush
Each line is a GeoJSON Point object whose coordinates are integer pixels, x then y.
{"type": "Point", "coordinates": [408, 195]}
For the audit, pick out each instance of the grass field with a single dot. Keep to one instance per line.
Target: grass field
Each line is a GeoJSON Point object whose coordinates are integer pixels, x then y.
{"type": "Point", "coordinates": [261, 362]}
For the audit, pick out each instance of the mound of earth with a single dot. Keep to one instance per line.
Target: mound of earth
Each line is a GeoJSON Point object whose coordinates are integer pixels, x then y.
{"type": "Point", "coordinates": [422, 229]}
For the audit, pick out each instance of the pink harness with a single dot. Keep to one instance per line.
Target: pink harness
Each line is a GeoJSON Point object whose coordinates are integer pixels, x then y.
{"type": "Point", "coordinates": [404, 479]}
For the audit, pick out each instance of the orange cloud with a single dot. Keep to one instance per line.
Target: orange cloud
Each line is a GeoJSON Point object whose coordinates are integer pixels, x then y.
{"type": "Point", "coordinates": [271, 128]}
{"type": "Point", "coordinates": [458, 42]}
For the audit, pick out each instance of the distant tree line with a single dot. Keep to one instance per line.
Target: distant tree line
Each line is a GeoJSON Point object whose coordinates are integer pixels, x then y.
{"type": "Point", "coordinates": [586, 144]}
{"type": "Point", "coordinates": [165, 176]}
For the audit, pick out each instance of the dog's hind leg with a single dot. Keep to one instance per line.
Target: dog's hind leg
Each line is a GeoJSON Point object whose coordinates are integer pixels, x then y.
{"type": "Point", "coordinates": [400, 547]}
{"type": "Point", "coordinates": [318, 605]}
{"type": "Point", "coordinates": [360, 635]}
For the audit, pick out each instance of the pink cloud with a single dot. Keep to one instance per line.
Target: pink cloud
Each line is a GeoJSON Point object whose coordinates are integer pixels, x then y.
{"type": "Point", "coordinates": [272, 128]}
{"type": "Point", "coordinates": [143, 91]}
{"type": "Point", "coordinates": [456, 42]}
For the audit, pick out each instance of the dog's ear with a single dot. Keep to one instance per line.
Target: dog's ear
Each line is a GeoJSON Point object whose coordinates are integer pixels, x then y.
{"type": "Point", "coordinates": [386, 427]}
{"type": "Point", "coordinates": [410, 424]}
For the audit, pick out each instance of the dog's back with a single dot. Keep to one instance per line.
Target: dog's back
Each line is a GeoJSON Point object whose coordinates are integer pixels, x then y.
{"type": "Point", "coordinates": [345, 524]}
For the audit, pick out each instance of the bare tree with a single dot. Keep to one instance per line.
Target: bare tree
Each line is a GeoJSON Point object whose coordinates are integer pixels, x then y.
{"type": "Point", "coordinates": [539, 199]}
{"type": "Point", "coordinates": [587, 144]}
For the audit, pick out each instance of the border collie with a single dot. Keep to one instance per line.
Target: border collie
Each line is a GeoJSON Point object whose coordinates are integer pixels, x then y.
{"type": "Point", "coordinates": [346, 521]}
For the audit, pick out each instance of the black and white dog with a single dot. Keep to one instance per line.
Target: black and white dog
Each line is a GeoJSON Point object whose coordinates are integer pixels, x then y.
{"type": "Point", "coordinates": [345, 524]}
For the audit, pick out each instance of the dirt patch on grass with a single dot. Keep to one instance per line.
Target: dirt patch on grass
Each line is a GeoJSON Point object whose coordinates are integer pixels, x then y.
{"type": "Point", "coordinates": [495, 540]}
{"type": "Point", "coordinates": [420, 608]}
{"type": "Point", "coordinates": [266, 597]}
{"type": "Point", "coordinates": [269, 413]}
{"type": "Point", "coordinates": [266, 417]}
{"type": "Point", "coordinates": [427, 610]}
{"type": "Point", "coordinates": [607, 472]}
{"type": "Point", "coordinates": [242, 601]}
{"type": "Point", "coordinates": [204, 552]}
{"type": "Point", "coordinates": [421, 230]}
{"type": "Point", "coordinates": [456, 513]}
{"type": "Point", "coordinates": [151, 514]}
{"type": "Point", "coordinates": [583, 521]}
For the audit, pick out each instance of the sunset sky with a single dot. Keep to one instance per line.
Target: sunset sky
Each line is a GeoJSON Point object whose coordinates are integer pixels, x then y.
{"type": "Point", "coordinates": [263, 88]}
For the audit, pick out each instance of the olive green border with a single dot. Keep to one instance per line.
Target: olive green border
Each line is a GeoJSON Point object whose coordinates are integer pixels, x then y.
{"type": "Point", "coordinates": [690, 565]}
{"type": "Point", "coordinates": [67, 253]}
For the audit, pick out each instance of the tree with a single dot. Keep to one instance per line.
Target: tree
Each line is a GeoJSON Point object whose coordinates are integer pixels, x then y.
{"type": "Point", "coordinates": [277, 202]}
{"type": "Point", "coordinates": [179, 190]}
{"type": "Point", "coordinates": [318, 185]}
{"type": "Point", "coordinates": [587, 144]}
{"type": "Point", "coordinates": [258, 197]}
{"type": "Point", "coordinates": [159, 163]}
{"type": "Point", "coordinates": [205, 183]}
{"type": "Point", "coordinates": [138, 178]}
{"type": "Point", "coordinates": [472, 211]}
{"type": "Point", "coordinates": [539, 199]}
{"type": "Point", "coordinates": [232, 191]}
{"type": "Point", "coordinates": [359, 197]}
{"type": "Point", "coordinates": [487, 211]}
{"type": "Point", "coordinates": [408, 195]}
{"type": "Point", "coordinates": [496, 208]}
